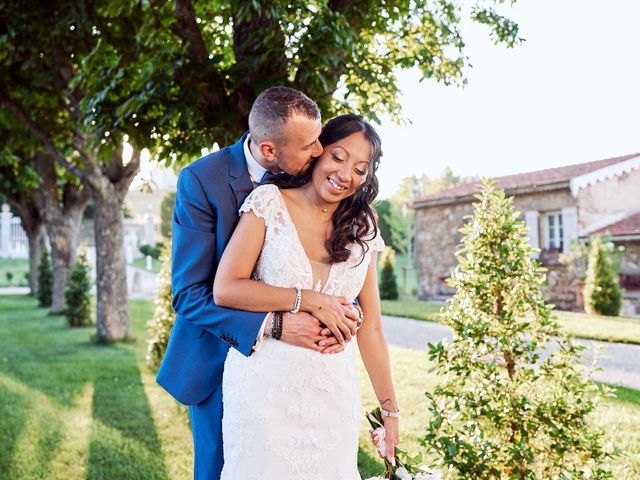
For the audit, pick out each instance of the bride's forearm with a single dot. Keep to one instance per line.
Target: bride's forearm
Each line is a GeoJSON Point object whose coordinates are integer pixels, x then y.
{"type": "Point", "coordinates": [375, 356]}
{"type": "Point", "coordinates": [253, 296]}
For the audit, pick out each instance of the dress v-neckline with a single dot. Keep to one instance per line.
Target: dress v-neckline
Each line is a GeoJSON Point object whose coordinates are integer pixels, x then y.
{"type": "Point", "coordinates": [304, 252]}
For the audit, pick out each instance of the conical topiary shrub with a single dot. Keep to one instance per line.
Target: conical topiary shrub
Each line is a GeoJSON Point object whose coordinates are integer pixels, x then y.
{"type": "Point", "coordinates": [44, 290]}
{"type": "Point", "coordinates": [502, 410]}
{"type": "Point", "coordinates": [388, 285]}
{"type": "Point", "coordinates": [77, 294]}
{"type": "Point", "coordinates": [602, 295]}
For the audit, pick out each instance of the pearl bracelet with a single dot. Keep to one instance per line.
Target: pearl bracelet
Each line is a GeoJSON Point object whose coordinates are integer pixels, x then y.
{"type": "Point", "coordinates": [387, 413]}
{"type": "Point", "coordinates": [298, 303]}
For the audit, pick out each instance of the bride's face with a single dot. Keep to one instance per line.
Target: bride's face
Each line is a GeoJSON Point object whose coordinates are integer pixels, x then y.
{"type": "Point", "coordinates": [342, 168]}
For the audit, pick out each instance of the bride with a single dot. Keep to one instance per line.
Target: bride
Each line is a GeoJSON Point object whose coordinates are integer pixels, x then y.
{"type": "Point", "coordinates": [291, 412]}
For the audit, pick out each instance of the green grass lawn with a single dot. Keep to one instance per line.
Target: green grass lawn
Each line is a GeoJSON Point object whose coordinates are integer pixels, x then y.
{"type": "Point", "coordinates": [71, 409]}
{"type": "Point", "coordinates": [18, 268]}
{"type": "Point", "coordinates": [142, 263]}
{"type": "Point", "coordinates": [581, 325]}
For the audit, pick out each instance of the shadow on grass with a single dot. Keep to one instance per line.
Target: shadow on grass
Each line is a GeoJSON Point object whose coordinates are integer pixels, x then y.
{"type": "Point", "coordinates": [124, 443]}
{"type": "Point", "coordinates": [369, 465]}
{"type": "Point", "coordinates": [40, 353]}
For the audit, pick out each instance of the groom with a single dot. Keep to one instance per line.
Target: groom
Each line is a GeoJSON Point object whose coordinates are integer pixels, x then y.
{"type": "Point", "coordinates": [284, 126]}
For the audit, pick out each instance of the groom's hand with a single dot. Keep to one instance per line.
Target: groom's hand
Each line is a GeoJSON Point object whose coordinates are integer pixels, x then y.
{"type": "Point", "coordinates": [304, 330]}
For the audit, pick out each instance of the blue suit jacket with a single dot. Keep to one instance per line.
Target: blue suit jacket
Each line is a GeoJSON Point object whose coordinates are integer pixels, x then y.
{"type": "Point", "coordinates": [210, 192]}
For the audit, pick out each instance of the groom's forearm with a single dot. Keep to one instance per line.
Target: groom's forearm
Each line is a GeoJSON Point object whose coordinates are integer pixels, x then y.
{"type": "Point", "coordinates": [195, 304]}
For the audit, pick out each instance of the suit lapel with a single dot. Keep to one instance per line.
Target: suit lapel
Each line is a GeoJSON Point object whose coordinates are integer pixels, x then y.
{"type": "Point", "coordinates": [241, 185]}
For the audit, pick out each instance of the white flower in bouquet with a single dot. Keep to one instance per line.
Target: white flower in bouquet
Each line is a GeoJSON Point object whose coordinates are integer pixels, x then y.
{"type": "Point", "coordinates": [403, 474]}
{"type": "Point", "coordinates": [428, 474]}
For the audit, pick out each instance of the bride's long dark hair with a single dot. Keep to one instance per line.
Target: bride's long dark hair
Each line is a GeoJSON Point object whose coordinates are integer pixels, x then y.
{"type": "Point", "coordinates": [355, 219]}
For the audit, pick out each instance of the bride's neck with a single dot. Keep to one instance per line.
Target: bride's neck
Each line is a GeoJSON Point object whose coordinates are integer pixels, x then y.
{"type": "Point", "coordinates": [315, 202]}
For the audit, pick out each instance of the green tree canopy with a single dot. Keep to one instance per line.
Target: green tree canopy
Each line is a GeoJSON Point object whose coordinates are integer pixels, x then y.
{"type": "Point", "coordinates": [180, 75]}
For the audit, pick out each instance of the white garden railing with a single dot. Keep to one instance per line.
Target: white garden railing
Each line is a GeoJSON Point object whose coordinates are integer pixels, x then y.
{"type": "Point", "coordinates": [14, 242]}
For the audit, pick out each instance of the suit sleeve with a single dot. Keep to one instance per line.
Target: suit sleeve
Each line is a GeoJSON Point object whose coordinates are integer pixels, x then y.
{"type": "Point", "coordinates": [194, 265]}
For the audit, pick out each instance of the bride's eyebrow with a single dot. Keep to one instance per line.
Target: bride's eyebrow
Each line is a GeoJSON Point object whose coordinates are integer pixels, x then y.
{"type": "Point", "coordinates": [338, 147]}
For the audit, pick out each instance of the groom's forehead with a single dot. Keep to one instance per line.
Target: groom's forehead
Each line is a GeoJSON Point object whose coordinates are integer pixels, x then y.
{"type": "Point", "coordinates": [303, 129]}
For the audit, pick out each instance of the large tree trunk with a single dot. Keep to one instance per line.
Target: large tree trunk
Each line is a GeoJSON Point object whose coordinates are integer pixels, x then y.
{"type": "Point", "coordinates": [63, 209]}
{"type": "Point", "coordinates": [36, 246]}
{"type": "Point", "coordinates": [28, 205]}
{"type": "Point", "coordinates": [63, 237]}
{"type": "Point", "coordinates": [113, 322]}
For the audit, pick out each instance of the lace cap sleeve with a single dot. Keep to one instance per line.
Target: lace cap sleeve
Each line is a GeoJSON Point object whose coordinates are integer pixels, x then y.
{"type": "Point", "coordinates": [377, 244]}
{"type": "Point", "coordinates": [259, 201]}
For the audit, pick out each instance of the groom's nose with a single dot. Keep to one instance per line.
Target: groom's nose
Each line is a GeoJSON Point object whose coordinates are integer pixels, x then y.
{"type": "Point", "coordinates": [317, 149]}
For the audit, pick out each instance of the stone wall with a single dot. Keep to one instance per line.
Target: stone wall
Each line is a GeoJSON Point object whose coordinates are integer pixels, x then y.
{"type": "Point", "coordinates": [562, 285]}
{"type": "Point", "coordinates": [437, 239]}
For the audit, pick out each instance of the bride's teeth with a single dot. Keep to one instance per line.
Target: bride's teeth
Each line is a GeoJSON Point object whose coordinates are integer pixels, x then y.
{"type": "Point", "coordinates": [335, 185]}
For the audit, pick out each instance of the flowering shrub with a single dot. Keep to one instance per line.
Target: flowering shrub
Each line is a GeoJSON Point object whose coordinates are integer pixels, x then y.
{"type": "Point", "coordinates": [505, 408]}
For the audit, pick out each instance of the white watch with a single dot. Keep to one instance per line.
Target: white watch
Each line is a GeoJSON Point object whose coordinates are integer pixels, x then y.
{"type": "Point", "coordinates": [387, 413]}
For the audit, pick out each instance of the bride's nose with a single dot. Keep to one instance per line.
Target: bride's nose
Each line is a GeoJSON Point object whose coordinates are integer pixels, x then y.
{"type": "Point", "coordinates": [344, 174]}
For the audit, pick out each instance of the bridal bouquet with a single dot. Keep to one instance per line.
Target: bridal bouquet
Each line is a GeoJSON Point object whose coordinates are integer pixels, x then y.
{"type": "Point", "coordinates": [404, 468]}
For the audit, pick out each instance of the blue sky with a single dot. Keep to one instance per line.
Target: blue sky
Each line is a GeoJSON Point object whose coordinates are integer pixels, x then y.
{"type": "Point", "coordinates": [569, 94]}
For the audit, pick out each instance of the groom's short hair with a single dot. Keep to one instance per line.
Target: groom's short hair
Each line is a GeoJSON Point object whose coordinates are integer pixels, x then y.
{"type": "Point", "coordinates": [271, 110]}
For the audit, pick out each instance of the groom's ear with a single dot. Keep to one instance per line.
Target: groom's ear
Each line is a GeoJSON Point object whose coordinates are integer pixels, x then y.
{"type": "Point", "coordinates": [268, 150]}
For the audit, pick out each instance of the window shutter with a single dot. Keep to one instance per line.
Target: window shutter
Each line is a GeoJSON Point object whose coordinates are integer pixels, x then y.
{"type": "Point", "coordinates": [531, 221]}
{"type": "Point", "coordinates": [570, 227]}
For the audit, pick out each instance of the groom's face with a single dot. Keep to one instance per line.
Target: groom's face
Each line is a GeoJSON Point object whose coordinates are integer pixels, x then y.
{"type": "Point", "coordinates": [301, 144]}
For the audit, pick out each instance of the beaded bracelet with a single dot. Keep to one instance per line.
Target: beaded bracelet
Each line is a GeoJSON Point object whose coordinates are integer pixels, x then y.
{"type": "Point", "coordinates": [280, 325]}
{"type": "Point", "coordinates": [298, 303]}
{"type": "Point", "coordinates": [276, 329]}
{"type": "Point", "coordinates": [274, 325]}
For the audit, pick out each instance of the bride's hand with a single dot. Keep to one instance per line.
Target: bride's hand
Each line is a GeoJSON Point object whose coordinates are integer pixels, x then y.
{"type": "Point", "coordinates": [334, 312]}
{"type": "Point", "coordinates": [386, 439]}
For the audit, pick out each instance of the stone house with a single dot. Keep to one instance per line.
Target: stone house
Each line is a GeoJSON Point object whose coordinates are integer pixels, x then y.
{"type": "Point", "coordinates": [559, 205]}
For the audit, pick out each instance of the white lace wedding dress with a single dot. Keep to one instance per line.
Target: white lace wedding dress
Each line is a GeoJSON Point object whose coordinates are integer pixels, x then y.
{"type": "Point", "coordinates": [289, 412]}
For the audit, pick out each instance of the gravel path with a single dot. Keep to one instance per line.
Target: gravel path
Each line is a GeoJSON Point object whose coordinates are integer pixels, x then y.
{"type": "Point", "coordinates": [620, 363]}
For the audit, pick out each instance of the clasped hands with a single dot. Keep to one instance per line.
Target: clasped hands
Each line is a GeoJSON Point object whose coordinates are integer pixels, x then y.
{"type": "Point", "coordinates": [326, 324]}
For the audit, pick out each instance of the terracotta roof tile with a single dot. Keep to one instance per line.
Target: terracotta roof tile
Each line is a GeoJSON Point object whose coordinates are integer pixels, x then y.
{"type": "Point", "coordinates": [627, 226]}
{"type": "Point", "coordinates": [529, 179]}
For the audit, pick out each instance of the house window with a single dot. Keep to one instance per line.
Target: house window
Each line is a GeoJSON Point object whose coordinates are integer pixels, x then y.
{"type": "Point", "coordinates": [554, 233]}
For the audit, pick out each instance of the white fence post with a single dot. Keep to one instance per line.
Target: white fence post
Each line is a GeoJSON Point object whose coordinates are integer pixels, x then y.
{"type": "Point", "coordinates": [5, 230]}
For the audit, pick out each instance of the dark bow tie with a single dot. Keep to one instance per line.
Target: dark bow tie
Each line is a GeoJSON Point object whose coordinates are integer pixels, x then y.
{"type": "Point", "coordinates": [268, 177]}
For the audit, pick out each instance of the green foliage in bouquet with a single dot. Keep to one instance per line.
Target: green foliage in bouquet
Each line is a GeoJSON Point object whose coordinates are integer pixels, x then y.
{"type": "Point", "coordinates": [602, 293]}
{"type": "Point", "coordinates": [388, 285]}
{"type": "Point", "coordinates": [503, 410]}
{"type": "Point", "coordinates": [160, 325]}
{"type": "Point", "coordinates": [45, 280]}
{"type": "Point", "coordinates": [77, 296]}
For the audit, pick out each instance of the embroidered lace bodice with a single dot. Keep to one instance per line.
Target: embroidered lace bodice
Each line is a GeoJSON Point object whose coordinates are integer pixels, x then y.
{"type": "Point", "coordinates": [290, 412]}
{"type": "Point", "coordinates": [283, 261]}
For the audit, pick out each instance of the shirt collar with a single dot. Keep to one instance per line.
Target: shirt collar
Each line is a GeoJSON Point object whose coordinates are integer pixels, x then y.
{"type": "Point", "coordinates": [256, 171]}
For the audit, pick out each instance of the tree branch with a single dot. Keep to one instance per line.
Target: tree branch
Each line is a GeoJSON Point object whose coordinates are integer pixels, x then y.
{"type": "Point", "coordinates": [260, 60]}
{"type": "Point", "coordinates": [197, 72]}
{"type": "Point", "coordinates": [128, 173]}
{"type": "Point", "coordinates": [186, 27]}
{"type": "Point", "coordinates": [41, 135]}
{"type": "Point", "coordinates": [47, 172]}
